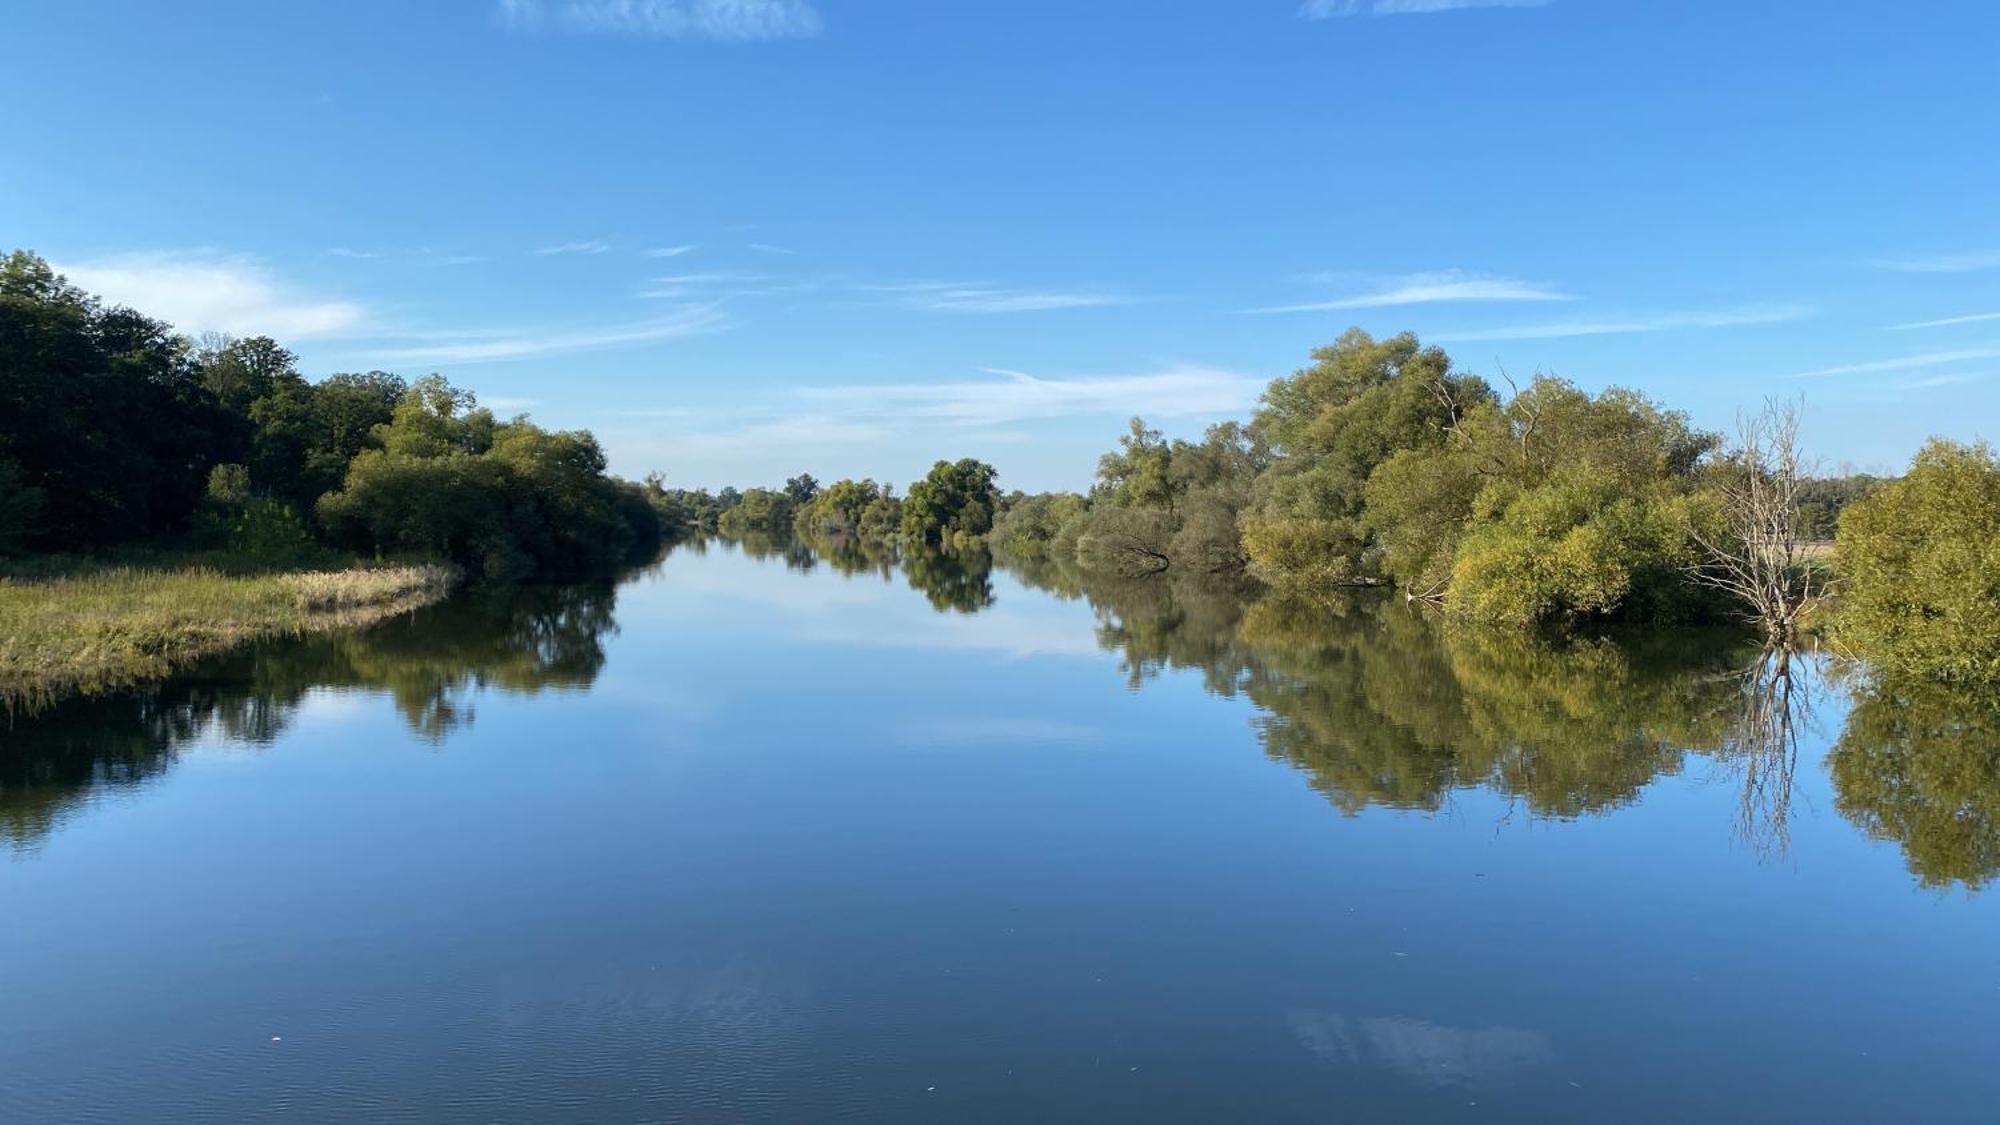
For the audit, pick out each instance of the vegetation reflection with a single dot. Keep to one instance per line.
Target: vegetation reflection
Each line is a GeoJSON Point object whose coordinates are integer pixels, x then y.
{"type": "Point", "coordinates": [432, 663]}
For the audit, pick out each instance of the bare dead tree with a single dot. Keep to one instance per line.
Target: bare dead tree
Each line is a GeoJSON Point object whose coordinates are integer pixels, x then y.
{"type": "Point", "coordinates": [1774, 712]}
{"type": "Point", "coordinates": [1758, 557]}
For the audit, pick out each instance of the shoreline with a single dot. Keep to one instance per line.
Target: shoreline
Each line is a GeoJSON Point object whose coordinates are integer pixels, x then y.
{"type": "Point", "coordinates": [100, 630]}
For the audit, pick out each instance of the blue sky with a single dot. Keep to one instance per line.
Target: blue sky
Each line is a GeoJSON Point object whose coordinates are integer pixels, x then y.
{"type": "Point", "coordinates": [744, 238]}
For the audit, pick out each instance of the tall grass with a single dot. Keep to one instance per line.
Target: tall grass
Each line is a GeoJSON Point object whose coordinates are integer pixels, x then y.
{"type": "Point", "coordinates": [105, 627]}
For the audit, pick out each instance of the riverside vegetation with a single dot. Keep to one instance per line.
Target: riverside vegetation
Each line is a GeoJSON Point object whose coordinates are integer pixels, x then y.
{"type": "Point", "coordinates": [1546, 508]}
{"type": "Point", "coordinates": [232, 486]}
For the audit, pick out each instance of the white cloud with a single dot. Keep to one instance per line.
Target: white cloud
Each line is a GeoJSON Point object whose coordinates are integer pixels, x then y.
{"type": "Point", "coordinates": [669, 251]}
{"type": "Point", "coordinates": [212, 293]}
{"type": "Point", "coordinates": [767, 248]}
{"type": "Point", "coordinates": [1656, 322]}
{"type": "Point", "coordinates": [1975, 318]}
{"type": "Point", "coordinates": [978, 297]}
{"type": "Point", "coordinates": [591, 246]}
{"type": "Point", "coordinates": [1965, 262]}
{"type": "Point", "coordinates": [1336, 9]}
{"type": "Point", "coordinates": [1950, 380]}
{"type": "Point", "coordinates": [720, 284]}
{"type": "Point", "coordinates": [474, 346]}
{"type": "Point", "coordinates": [727, 20]}
{"type": "Point", "coordinates": [421, 254]}
{"type": "Point", "coordinates": [1432, 288]}
{"type": "Point", "coordinates": [1015, 396]}
{"type": "Point", "coordinates": [1904, 363]}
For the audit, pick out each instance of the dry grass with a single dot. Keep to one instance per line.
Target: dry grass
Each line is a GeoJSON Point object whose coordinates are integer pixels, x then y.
{"type": "Point", "coordinates": [107, 628]}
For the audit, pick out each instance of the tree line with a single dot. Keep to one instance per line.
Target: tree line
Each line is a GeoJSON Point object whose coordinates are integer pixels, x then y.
{"type": "Point", "coordinates": [114, 429]}
{"type": "Point", "coordinates": [1540, 506]}
{"type": "Point", "coordinates": [1377, 464]}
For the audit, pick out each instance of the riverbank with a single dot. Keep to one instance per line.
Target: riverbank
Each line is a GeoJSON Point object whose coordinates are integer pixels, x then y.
{"type": "Point", "coordinates": [104, 626]}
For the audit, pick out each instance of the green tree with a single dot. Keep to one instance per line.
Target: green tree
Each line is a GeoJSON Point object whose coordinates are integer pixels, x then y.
{"type": "Point", "coordinates": [801, 489]}
{"type": "Point", "coordinates": [838, 508]}
{"type": "Point", "coordinates": [1919, 559]}
{"type": "Point", "coordinates": [956, 500]}
{"type": "Point", "coordinates": [1329, 426]}
{"type": "Point", "coordinates": [104, 420]}
{"type": "Point", "coordinates": [764, 510]}
{"type": "Point", "coordinates": [506, 499]}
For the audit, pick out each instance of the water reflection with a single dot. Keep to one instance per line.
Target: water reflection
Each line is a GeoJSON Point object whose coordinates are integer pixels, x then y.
{"type": "Point", "coordinates": [1419, 1050]}
{"type": "Point", "coordinates": [1919, 763]}
{"type": "Point", "coordinates": [1378, 704]}
{"type": "Point", "coordinates": [431, 663]}
{"type": "Point", "coordinates": [1375, 702]}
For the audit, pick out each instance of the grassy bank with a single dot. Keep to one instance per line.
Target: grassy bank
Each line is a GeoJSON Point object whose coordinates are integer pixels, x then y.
{"type": "Point", "coordinates": [92, 627]}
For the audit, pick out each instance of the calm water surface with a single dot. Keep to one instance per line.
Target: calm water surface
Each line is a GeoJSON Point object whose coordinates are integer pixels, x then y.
{"type": "Point", "coordinates": [764, 835]}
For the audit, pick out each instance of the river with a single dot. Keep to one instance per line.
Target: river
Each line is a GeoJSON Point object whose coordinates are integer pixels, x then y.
{"type": "Point", "coordinates": [776, 834]}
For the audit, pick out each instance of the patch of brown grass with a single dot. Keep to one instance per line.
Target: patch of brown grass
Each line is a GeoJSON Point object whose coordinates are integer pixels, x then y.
{"type": "Point", "coordinates": [107, 628]}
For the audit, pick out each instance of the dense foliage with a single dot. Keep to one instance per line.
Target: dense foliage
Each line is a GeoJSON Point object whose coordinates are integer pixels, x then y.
{"type": "Point", "coordinates": [1378, 465]}
{"type": "Point", "coordinates": [1920, 557]}
{"type": "Point", "coordinates": [114, 429]}
{"type": "Point", "coordinates": [956, 501]}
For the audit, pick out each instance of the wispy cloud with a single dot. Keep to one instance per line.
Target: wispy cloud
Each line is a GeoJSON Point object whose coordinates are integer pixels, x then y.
{"type": "Point", "coordinates": [1962, 262]}
{"type": "Point", "coordinates": [421, 254]}
{"type": "Point", "coordinates": [719, 284]}
{"type": "Point", "coordinates": [726, 20]}
{"type": "Point", "coordinates": [978, 297]}
{"type": "Point", "coordinates": [1014, 396]}
{"type": "Point", "coordinates": [767, 248]}
{"type": "Point", "coordinates": [1434, 287]}
{"type": "Point", "coordinates": [1917, 362]}
{"type": "Point", "coordinates": [203, 292]}
{"type": "Point", "coordinates": [1338, 9]}
{"type": "Point", "coordinates": [1655, 322]}
{"type": "Point", "coordinates": [1975, 318]}
{"type": "Point", "coordinates": [1925, 382]}
{"type": "Point", "coordinates": [590, 246]}
{"type": "Point", "coordinates": [475, 346]}
{"type": "Point", "coordinates": [669, 251]}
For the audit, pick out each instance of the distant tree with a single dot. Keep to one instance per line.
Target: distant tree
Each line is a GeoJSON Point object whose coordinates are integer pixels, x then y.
{"type": "Point", "coordinates": [801, 489]}
{"type": "Point", "coordinates": [1028, 525]}
{"type": "Point", "coordinates": [764, 510]}
{"type": "Point", "coordinates": [838, 508]}
{"type": "Point", "coordinates": [957, 499]}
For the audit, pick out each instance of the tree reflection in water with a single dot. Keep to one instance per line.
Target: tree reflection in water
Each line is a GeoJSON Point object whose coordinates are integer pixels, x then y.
{"type": "Point", "coordinates": [1378, 703]}
{"type": "Point", "coordinates": [1919, 763]}
{"type": "Point", "coordinates": [431, 663]}
{"type": "Point", "coordinates": [1373, 700]}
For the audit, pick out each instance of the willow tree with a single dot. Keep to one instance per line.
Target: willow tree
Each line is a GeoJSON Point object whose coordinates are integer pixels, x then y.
{"type": "Point", "coordinates": [1920, 558]}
